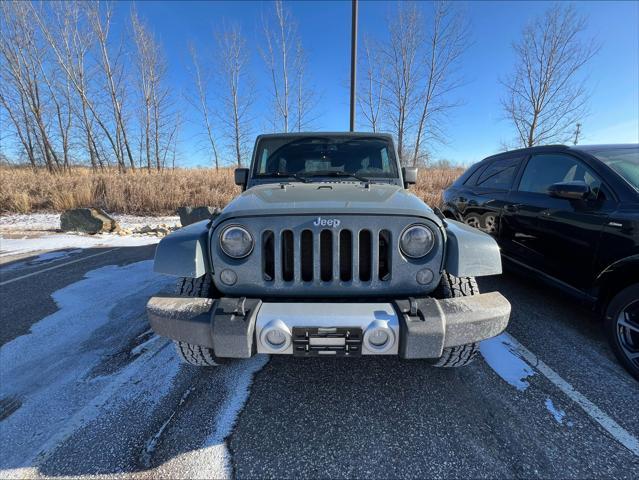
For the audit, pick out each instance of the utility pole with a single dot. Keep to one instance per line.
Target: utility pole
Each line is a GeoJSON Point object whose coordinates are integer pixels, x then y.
{"type": "Point", "coordinates": [353, 61]}
{"type": "Point", "coordinates": [577, 133]}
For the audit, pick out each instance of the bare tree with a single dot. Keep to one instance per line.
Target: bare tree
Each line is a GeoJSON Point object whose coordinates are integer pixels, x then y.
{"type": "Point", "coordinates": [285, 60]}
{"type": "Point", "coordinates": [22, 55]}
{"type": "Point", "coordinates": [401, 55]}
{"type": "Point", "coordinates": [446, 41]}
{"type": "Point", "coordinates": [100, 20]}
{"type": "Point", "coordinates": [371, 89]}
{"type": "Point", "coordinates": [277, 57]}
{"type": "Point", "coordinates": [155, 97]}
{"type": "Point", "coordinates": [236, 89]}
{"type": "Point", "coordinates": [544, 96]}
{"type": "Point", "coordinates": [202, 103]}
{"type": "Point", "coordinates": [304, 95]}
{"type": "Point", "coordinates": [71, 39]}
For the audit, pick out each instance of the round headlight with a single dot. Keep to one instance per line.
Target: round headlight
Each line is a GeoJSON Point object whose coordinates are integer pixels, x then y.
{"type": "Point", "coordinates": [236, 242]}
{"type": "Point", "coordinates": [416, 241]}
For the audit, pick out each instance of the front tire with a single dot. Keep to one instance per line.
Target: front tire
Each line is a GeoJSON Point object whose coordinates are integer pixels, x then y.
{"type": "Point", "coordinates": [189, 353]}
{"type": "Point", "coordinates": [451, 286]}
{"type": "Point", "coordinates": [622, 327]}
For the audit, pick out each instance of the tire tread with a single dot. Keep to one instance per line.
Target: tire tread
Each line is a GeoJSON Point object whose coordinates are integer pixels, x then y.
{"type": "Point", "coordinates": [451, 286]}
{"type": "Point", "coordinates": [195, 354]}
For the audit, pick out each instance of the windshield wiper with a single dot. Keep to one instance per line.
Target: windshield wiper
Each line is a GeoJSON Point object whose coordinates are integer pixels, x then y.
{"type": "Point", "coordinates": [284, 174]}
{"type": "Point", "coordinates": [338, 173]}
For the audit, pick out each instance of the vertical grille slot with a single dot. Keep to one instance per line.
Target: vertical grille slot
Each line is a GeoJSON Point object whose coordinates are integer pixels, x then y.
{"type": "Point", "coordinates": [326, 255]}
{"type": "Point", "coordinates": [384, 242]}
{"type": "Point", "coordinates": [345, 255]}
{"type": "Point", "coordinates": [288, 257]}
{"type": "Point", "coordinates": [365, 252]}
{"type": "Point", "coordinates": [268, 255]}
{"type": "Point", "coordinates": [306, 255]}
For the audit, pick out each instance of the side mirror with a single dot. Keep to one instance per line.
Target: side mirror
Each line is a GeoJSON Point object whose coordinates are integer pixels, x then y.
{"type": "Point", "coordinates": [241, 177]}
{"type": "Point", "coordinates": [576, 190]}
{"type": "Point", "coordinates": [410, 176]}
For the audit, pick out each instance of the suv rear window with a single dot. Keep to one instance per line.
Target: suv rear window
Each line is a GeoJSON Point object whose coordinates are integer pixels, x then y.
{"type": "Point", "coordinates": [499, 174]}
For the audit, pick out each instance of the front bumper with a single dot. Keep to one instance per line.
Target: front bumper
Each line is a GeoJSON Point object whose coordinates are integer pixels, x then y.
{"type": "Point", "coordinates": [414, 328]}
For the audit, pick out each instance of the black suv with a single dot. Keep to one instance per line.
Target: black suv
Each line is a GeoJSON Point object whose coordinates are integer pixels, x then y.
{"type": "Point", "coordinates": [570, 215]}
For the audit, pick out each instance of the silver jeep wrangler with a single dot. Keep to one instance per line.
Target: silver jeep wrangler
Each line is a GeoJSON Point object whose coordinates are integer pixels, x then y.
{"type": "Point", "coordinates": [326, 253]}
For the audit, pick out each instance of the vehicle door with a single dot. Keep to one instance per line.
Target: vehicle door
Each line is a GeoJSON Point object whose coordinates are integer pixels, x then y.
{"type": "Point", "coordinates": [485, 193]}
{"type": "Point", "coordinates": [557, 236]}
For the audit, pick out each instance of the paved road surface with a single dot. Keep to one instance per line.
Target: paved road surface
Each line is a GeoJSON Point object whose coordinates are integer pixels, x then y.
{"type": "Point", "coordinates": [86, 389]}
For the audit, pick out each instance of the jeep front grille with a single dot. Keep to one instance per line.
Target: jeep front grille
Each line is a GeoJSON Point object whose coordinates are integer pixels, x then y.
{"type": "Point", "coordinates": [343, 255]}
{"type": "Point", "coordinates": [296, 257]}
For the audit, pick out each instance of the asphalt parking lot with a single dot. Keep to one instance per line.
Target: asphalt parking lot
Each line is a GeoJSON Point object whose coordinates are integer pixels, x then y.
{"type": "Point", "coordinates": [87, 389]}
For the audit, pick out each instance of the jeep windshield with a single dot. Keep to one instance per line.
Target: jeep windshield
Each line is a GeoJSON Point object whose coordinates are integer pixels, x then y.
{"type": "Point", "coordinates": [304, 158]}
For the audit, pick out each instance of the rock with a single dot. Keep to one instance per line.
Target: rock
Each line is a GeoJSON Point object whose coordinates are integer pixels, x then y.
{"type": "Point", "coordinates": [189, 215]}
{"type": "Point", "coordinates": [87, 220]}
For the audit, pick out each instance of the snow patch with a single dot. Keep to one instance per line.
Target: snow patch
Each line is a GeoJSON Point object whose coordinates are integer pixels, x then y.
{"type": "Point", "coordinates": [213, 459]}
{"type": "Point", "coordinates": [12, 246]}
{"type": "Point", "coordinates": [557, 413]}
{"type": "Point", "coordinates": [51, 221]}
{"type": "Point", "coordinates": [501, 355]}
{"type": "Point", "coordinates": [49, 368]}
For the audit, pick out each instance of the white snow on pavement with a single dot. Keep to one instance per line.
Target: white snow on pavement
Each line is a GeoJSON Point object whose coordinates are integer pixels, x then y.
{"type": "Point", "coordinates": [501, 354]}
{"type": "Point", "coordinates": [57, 373]}
{"type": "Point", "coordinates": [557, 413]}
{"type": "Point", "coordinates": [48, 369]}
{"type": "Point", "coordinates": [12, 246]}
{"type": "Point", "coordinates": [213, 459]}
{"type": "Point", "coordinates": [51, 221]}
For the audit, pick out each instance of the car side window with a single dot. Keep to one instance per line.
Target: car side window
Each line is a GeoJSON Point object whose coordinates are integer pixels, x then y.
{"type": "Point", "coordinates": [472, 177]}
{"type": "Point", "coordinates": [545, 169]}
{"type": "Point", "coordinates": [499, 174]}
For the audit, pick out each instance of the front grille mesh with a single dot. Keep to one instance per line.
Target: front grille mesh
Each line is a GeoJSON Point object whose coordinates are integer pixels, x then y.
{"type": "Point", "coordinates": [326, 256]}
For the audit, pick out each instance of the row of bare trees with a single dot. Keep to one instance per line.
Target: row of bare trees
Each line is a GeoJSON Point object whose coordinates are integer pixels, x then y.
{"type": "Point", "coordinates": [72, 91]}
{"type": "Point", "coordinates": [224, 91]}
{"type": "Point", "coordinates": [67, 88]}
{"type": "Point", "coordinates": [410, 78]}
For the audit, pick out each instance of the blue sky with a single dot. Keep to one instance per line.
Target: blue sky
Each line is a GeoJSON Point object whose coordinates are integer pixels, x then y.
{"type": "Point", "coordinates": [476, 128]}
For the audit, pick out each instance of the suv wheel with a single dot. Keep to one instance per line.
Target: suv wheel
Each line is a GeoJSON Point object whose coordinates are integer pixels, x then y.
{"type": "Point", "coordinates": [451, 286]}
{"type": "Point", "coordinates": [195, 354]}
{"type": "Point", "coordinates": [622, 326]}
{"type": "Point", "coordinates": [489, 221]}
{"type": "Point", "coordinates": [473, 220]}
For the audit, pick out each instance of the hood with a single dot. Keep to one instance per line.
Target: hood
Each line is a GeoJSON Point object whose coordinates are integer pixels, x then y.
{"type": "Point", "coordinates": [326, 198]}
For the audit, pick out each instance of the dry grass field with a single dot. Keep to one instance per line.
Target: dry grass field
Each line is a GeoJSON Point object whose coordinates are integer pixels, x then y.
{"type": "Point", "coordinates": [23, 190]}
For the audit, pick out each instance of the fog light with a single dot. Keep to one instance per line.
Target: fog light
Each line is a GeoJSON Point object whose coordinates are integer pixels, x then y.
{"type": "Point", "coordinates": [425, 276]}
{"type": "Point", "coordinates": [276, 336]}
{"type": "Point", "coordinates": [228, 277]}
{"type": "Point", "coordinates": [379, 337]}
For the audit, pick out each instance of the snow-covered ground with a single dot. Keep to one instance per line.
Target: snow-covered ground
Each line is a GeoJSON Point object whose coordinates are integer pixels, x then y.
{"type": "Point", "coordinates": [37, 232]}
{"type": "Point", "coordinates": [501, 354]}
{"type": "Point", "coordinates": [51, 221]}
{"type": "Point", "coordinates": [60, 241]}
{"type": "Point", "coordinates": [95, 358]}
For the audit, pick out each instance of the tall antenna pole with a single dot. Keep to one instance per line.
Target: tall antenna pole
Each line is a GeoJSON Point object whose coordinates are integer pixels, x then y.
{"type": "Point", "coordinates": [353, 61]}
